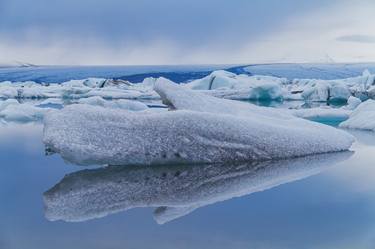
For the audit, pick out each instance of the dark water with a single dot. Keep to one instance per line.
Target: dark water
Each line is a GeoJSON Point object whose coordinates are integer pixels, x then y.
{"type": "Point", "coordinates": [181, 73]}
{"type": "Point", "coordinates": [325, 202]}
{"type": "Point", "coordinates": [58, 74]}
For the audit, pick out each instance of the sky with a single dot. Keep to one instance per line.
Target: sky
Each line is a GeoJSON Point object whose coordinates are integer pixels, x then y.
{"type": "Point", "coordinates": [159, 32]}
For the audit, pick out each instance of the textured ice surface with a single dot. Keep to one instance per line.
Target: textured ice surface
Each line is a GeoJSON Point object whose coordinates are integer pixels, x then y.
{"type": "Point", "coordinates": [353, 103]}
{"type": "Point", "coordinates": [174, 190]}
{"type": "Point", "coordinates": [117, 104]}
{"type": "Point", "coordinates": [204, 129]}
{"type": "Point", "coordinates": [363, 117]}
{"type": "Point", "coordinates": [323, 114]}
{"type": "Point", "coordinates": [177, 97]}
{"type": "Point", "coordinates": [229, 85]}
{"type": "Point", "coordinates": [221, 84]}
{"type": "Point", "coordinates": [76, 89]}
{"type": "Point", "coordinates": [12, 111]}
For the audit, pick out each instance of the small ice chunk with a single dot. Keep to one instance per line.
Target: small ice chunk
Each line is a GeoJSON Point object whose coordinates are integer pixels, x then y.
{"type": "Point", "coordinates": [363, 117]}
{"type": "Point", "coordinates": [326, 115]}
{"type": "Point", "coordinates": [130, 105]}
{"type": "Point", "coordinates": [353, 103]}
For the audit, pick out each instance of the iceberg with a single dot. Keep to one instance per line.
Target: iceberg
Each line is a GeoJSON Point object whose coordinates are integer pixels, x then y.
{"type": "Point", "coordinates": [353, 103]}
{"type": "Point", "coordinates": [131, 105]}
{"type": "Point", "coordinates": [202, 129]}
{"type": "Point", "coordinates": [12, 111]}
{"type": "Point", "coordinates": [260, 87]}
{"type": "Point", "coordinates": [325, 115]}
{"type": "Point", "coordinates": [232, 86]}
{"type": "Point", "coordinates": [220, 83]}
{"type": "Point", "coordinates": [363, 117]}
{"type": "Point", "coordinates": [174, 191]}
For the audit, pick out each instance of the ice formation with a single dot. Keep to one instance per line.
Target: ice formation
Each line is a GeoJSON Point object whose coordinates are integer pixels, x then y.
{"type": "Point", "coordinates": [75, 89]}
{"type": "Point", "coordinates": [363, 117]}
{"type": "Point", "coordinates": [323, 114]}
{"type": "Point", "coordinates": [229, 85]}
{"type": "Point", "coordinates": [175, 190]}
{"type": "Point", "coordinates": [130, 105]}
{"type": "Point", "coordinates": [221, 84]}
{"type": "Point", "coordinates": [12, 111]}
{"type": "Point", "coordinates": [353, 103]}
{"type": "Point", "coordinates": [204, 129]}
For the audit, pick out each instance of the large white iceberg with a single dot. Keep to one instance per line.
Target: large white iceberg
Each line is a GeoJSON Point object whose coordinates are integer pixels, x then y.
{"type": "Point", "coordinates": [175, 190]}
{"type": "Point", "coordinates": [204, 129]}
{"type": "Point", "coordinates": [363, 117]}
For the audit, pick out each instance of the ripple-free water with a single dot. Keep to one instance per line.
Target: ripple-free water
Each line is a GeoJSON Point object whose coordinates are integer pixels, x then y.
{"type": "Point", "coordinates": [331, 205]}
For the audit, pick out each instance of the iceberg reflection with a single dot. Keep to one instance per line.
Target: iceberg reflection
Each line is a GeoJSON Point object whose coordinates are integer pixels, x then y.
{"type": "Point", "coordinates": [174, 191]}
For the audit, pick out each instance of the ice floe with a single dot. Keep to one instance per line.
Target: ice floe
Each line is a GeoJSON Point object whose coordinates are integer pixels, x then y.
{"type": "Point", "coordinates": [203, 129]}
{"type": "Point", "coordinates": [363, 117]}
{"type": "Point", "coordinates": [323, 114]}
{"type": "Point", "coordinates": [229, 85]}
{"type": "Point", "coordinates": [12, 111]}
{"type": "Point", "coordinates": [221, 84]}
{"type": "Point", "coordinates": [174, 191]}
{"type": "Point", "coordinates": [117, 104]}
{"type": "Point", "coordinates": [352, 103]}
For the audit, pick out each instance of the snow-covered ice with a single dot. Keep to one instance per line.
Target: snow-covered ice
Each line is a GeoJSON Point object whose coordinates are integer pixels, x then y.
{"type": "Point", "coordinates": [203, 129]}
{"type": "Point", "coordinates": [12, 111]}
{"type": "Point", "coordinates": [220, 83]}
{"type": "Point", "coordinates": [117, 104]}
{"type": "Point", "coordinates": [323, 114]}
{"type": "Point", "coordinates": [175, 190]}
{"type": "Point", "coordinates": [363, 117]}
{"type": "Point", "coordinates": [229, 85]}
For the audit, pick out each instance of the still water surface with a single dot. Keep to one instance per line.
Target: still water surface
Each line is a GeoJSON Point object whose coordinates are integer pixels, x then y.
{"type": "Point", "coordinates": [320, 202]}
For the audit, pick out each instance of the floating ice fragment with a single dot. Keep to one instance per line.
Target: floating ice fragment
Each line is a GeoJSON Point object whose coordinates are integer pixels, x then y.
{"type": "Point", "coordinates": [204, 129]}
{"type": "Point", "coordinates": [130, 105]}
{"type": "Point", "coordinates": [363, 117]}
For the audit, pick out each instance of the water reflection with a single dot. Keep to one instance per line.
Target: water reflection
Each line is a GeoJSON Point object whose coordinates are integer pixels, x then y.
{"type": "Point", "coordinates": [174, 191]}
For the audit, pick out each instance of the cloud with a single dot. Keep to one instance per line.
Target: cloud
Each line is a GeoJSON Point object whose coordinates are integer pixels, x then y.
{"type": "Point", "coordinates": [183, 32]}
{"type": "Point", "coordinates": [356, 38]}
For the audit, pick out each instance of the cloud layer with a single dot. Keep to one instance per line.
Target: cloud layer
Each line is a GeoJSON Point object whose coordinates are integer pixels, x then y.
{"type": "Point", "coordinates": [184, 32]}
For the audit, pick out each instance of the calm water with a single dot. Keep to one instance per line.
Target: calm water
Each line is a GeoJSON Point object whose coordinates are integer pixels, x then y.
{"type": "Point", "coordinates": [322, 202]}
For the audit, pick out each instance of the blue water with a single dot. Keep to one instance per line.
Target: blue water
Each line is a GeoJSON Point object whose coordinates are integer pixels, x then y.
{"type": "Point", "coordinates": [58, 74]}
{"type": "Point", "coordinates": [333, 209]}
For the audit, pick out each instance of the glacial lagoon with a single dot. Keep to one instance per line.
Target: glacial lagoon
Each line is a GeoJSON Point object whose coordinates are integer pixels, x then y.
{"type": "Point", "coordinates": [318, 201]}
{"type": "Point", "coordinates": [325, 204]}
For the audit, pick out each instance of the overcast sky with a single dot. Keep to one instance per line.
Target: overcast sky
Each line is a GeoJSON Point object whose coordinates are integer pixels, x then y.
{"type": "Point", "coordinates": [186, 31]}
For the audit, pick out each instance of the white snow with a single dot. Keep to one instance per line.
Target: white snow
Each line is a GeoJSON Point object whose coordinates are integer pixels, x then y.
{"type": "Point", "coordinates": [130, 105]}
{"type": "Point", "coordinates": [175, 190]}
{"type": "Point", "coordinates": [363, 117]}
{"type": "Point", "coordinates": [203, 129]}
